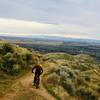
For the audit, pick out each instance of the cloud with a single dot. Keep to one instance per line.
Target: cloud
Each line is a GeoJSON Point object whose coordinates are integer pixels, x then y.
{"type": "Point", "coordinates": [21, 26]}
{"type": "Point", "coordinates": [73, 18]}
{"type": "Point", "coordinates": [29, 28]}
{"type": "Point", "coordinates": [51, 11]}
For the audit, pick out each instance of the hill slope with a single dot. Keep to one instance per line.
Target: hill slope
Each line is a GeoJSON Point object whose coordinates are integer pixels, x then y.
{"type": "Point", "coordinates": [65, 76]}
{"type": "Point", "coordinates": [73, 77]}
{"type": "Point", "coordinates": [14, 62]}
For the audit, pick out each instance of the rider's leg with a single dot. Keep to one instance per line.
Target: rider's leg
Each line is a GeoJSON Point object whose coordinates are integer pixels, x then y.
{"type": "Point", "coordinates": [34, 79]}
{"type": "Point", "coordinates": [39, 79]}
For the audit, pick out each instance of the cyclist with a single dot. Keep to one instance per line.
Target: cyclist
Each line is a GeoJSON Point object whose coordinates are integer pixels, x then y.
{"type": "Point", "coordinates": [38, 71]}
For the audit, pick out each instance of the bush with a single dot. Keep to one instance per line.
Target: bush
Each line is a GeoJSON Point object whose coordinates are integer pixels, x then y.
{"type": "Point", "coordinates": [69, 87]}
{"type": "Point", "coordinates": [87, 78]}
{"type": "Point", "coordinates": [98, 89]}
{"type": "Point", "coordinates": [53, 79]}
{"type": "Point", "coordinates": [28, 57]}
{"type": "Point", "coordinates": [14, 58]}
{"type": "Point", "coordinates": [80, 81]}
{"type": "Point", "coordinates": [64, 72]}
{"type": "Point", "coordinates": [86, 94]}
{"type": "Point", "coordinates": [8, 48]}
{"type": "Point", "coordinates": [16, 69]}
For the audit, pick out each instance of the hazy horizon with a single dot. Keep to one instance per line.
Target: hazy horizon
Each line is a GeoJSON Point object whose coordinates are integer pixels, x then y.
{"type": "Point", "coordinates": [62, 18]}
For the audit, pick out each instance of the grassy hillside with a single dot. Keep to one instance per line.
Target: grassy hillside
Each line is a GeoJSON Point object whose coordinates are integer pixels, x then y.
{"type": "Point", "coordinates": [73, 77]}
{"type": "Point", "coordinates": [14, 62]}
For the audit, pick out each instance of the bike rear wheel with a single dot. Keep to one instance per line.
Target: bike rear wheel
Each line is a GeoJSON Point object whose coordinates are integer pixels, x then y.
{"type": "Point", "coordinates": [36, 82]}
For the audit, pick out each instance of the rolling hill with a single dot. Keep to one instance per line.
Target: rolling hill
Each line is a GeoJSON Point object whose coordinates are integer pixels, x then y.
{"type": "Point", "coordinates": [66, 76]}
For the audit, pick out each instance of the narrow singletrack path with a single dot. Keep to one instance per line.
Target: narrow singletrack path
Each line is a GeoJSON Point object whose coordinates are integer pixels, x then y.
{"type": "Point", "coordinates": [24, 84]}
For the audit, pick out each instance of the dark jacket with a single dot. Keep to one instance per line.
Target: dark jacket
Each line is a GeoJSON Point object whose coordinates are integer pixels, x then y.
{"type": "Point", "coordinates": [38, 69]}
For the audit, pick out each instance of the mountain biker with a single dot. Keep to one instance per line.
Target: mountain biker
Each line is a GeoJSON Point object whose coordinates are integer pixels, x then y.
{"type": "Point", "coordinates": [38, 71]}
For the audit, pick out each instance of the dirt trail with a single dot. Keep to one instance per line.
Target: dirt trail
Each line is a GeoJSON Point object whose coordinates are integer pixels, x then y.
{"type": "Point", "coordinates": [25, 84]}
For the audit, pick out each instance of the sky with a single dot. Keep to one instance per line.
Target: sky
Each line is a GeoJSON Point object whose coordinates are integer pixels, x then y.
{"type": "Point", "coordinates": [63, 18]}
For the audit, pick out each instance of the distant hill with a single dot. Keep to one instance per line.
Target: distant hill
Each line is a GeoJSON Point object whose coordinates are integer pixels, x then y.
{"type": "Point", "coordinates": [46, 44]}
{"type": "Point", "coordinates": [49, 38]}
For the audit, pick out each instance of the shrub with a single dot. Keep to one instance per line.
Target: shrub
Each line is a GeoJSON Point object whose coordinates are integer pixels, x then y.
{"type": "Point", "coordinates": [98, 89]}
{"type": "Point", "coordinates": [69, 87]}
{"type": "Point", "coordinates": [16, 69]}
{"type": "Point", "coordinates": [28, 57]}
{"type": "Point", "coordinates": [87, 78]}
{"type": "Point", "coordinates": [8, 48]}
{"type": "Point", "coordinates": [86, 94]}
{"type": "Point", "coordinates": [53, 79]}
{"type": "Point", "coordinates": [56, 69]}
{"type": "Point", "coordinates": [80, 81]}
{"type": "Point", "coordinates": [14, 59]}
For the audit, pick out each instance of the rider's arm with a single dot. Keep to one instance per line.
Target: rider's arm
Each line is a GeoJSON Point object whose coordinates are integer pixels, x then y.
{"type": "Point", "coordinates": [41, 70]}
{"type": "Point", "coordinates": [33, 68]}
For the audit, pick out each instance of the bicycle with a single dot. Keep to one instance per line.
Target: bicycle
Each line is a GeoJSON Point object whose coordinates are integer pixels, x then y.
{"type": "Point", "coordinates": [36, 81]}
